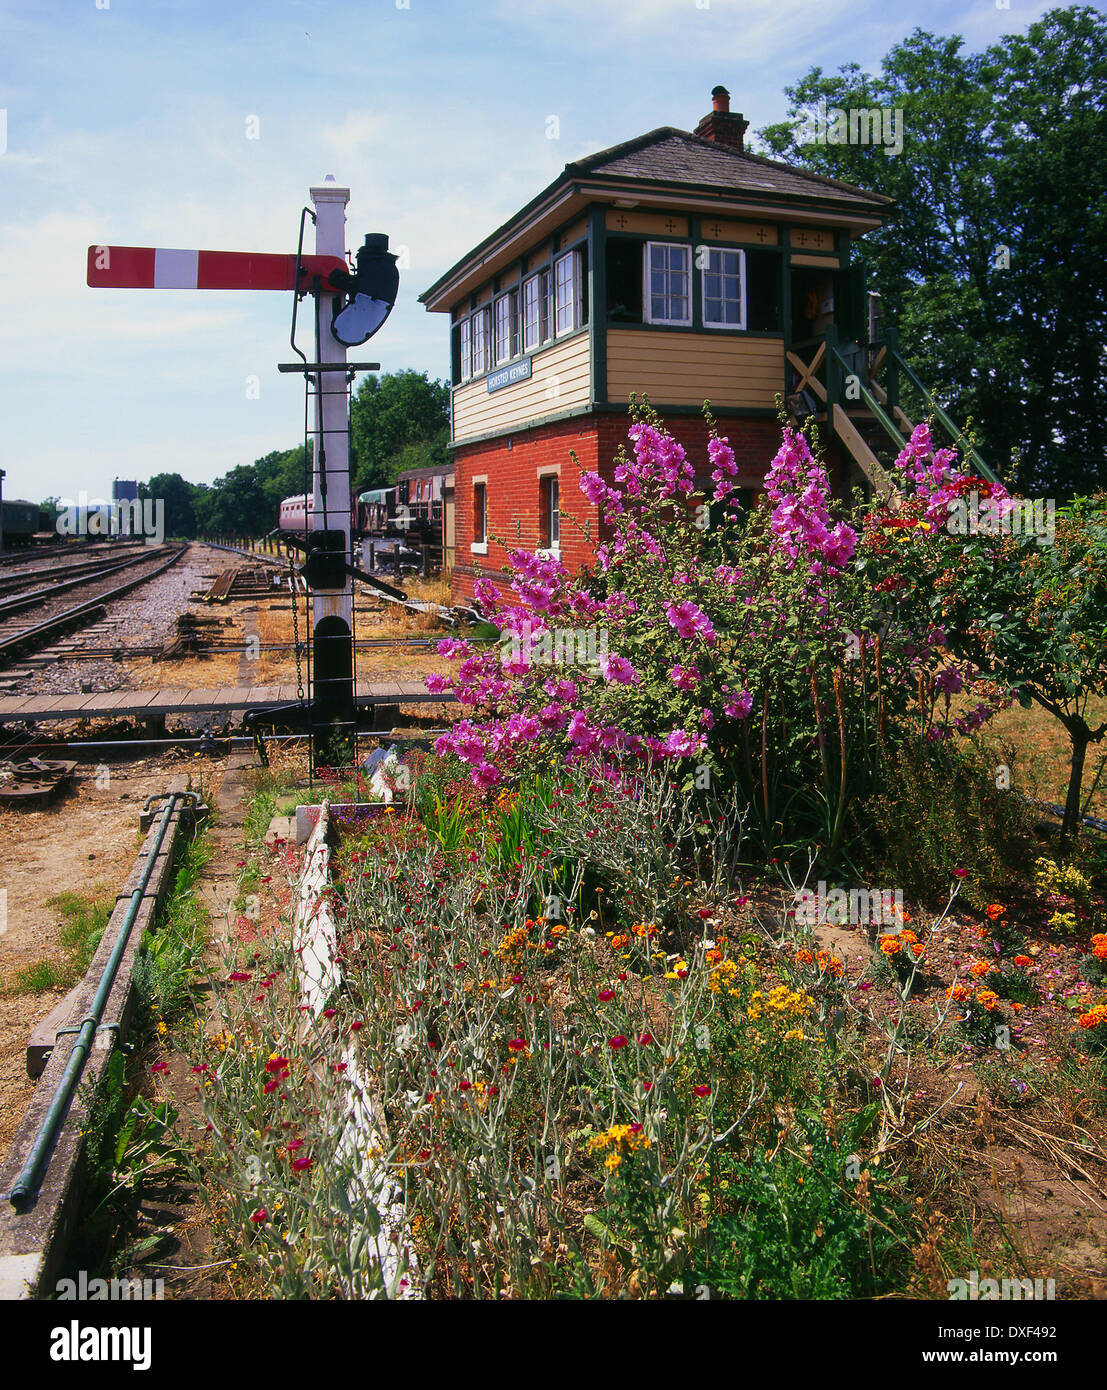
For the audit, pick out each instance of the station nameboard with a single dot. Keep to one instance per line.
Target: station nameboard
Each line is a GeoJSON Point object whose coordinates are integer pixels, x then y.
{"type": "Point", "coordinates": [507, 376]}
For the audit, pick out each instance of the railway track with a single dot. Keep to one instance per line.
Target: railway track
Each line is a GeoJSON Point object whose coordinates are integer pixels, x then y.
{"type": "Point", "coordinates": [32, 598]}
{"type": "Point", "coordinates": [35, 553]}
{"type": "Point", "coordinates": [12, 580]}
{"type": "Point", "coordinates": [18, 637]}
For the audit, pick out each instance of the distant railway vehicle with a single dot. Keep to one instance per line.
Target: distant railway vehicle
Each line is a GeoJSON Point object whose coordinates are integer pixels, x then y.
{"type": "Point", "coordinates": [294, 513]}
{"type": "Point", "coordinates": [21, 521]}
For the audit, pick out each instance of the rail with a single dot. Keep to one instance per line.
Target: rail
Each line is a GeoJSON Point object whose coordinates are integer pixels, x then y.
{"type": "Point", "coordinates": [30, 1179]}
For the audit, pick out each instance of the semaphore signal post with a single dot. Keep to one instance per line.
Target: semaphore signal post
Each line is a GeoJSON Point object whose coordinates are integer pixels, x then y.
{"type": "Point", "coordinates": [350, 305]}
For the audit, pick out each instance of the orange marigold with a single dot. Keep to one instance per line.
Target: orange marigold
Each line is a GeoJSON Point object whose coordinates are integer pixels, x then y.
{"type": "Point", "coordinates": [978, 968]}
{"type": "Point", "coordinates": [891, 945]}
{"type": "Point", "coordinates": [989, 998]}
{"type": "Point", "coordinates": [995, 910]}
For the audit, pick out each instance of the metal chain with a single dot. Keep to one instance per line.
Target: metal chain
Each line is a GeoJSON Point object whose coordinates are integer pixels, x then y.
{"type": "Point", "coordinates": [296, 630]}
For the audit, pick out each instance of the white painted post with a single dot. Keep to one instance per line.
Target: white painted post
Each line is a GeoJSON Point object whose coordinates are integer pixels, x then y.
{"type": "Point", "coordinates": [331, 439]}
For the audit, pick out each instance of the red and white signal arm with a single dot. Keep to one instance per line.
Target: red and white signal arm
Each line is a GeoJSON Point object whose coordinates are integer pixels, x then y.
{"type": "Point", "coordinates": [159, 268]}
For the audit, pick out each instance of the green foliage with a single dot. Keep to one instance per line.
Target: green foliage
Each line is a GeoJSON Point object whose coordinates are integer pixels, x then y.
{"type": "Point", "coordinates": [994, 156]}
{"type": "Point", "coordinates": [1011, 982]}
{"type": "Point", "coordinates": [804, 1223]}
{"type": "Point", "coordinates": [171, 957]}
{"type": "Point", "coordinates": [941, 811]}
{"type": "Point", "coordinates": [398, 420]}
{"type": "Point", "coordinates": [83, 921]}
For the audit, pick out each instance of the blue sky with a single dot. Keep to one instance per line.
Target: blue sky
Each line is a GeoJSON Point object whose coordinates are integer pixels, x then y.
{"type": "Point", "coordinates": [127, 120]}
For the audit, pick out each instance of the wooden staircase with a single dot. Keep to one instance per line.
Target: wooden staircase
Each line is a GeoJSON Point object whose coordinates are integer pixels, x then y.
{"type": "Point", "coordinates": [843, 379]}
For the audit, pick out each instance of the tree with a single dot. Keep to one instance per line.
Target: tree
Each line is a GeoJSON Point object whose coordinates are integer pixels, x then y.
{"type": "Point", "coordinates": [178, 496]}
{"type": "Point", "coordinates": [1034, 617]}
{"type": "Point", "coordinates": [396, 418]}
{"type": "Point", "coordinates": [993, 267]}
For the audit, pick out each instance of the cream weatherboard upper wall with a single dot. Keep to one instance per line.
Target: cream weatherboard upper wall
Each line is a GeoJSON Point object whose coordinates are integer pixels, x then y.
{"type": "Point", "coordinates": [559, 381]}
{"type": "Point", "coordinates": [689, 368]}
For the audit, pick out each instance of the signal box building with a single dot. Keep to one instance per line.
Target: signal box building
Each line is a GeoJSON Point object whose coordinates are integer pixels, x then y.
{"type": "Point", "coordinates": [678, 265]}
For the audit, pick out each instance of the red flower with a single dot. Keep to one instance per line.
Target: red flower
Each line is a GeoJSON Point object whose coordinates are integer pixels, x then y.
{"type": "Point", "coordinates": [260, 1215]}
{"type": "Point", "coordinates": [518, 1044]}
{"type": "Point", "coordinates": [647, 1086]}
{"type": "Point", "coordinates": [645, 1039]}
{"type": "Point", "coordinates": [960, 873]}
{"type": "Point", "coordinates": [464, 1085]}
{"type": "Point", "coordinates": [617, 1041]}
{"type": "Point", "coordinates": [238, 975]}
{"type": "Point", "coordinates": [356, 1026]}
{"type": "Point", "coordinates": [299, 1165]}
{"type": "Point", "coordinates": [329, 1013]}
{"type": "Point", "coordinates": [705, 913]}
{"type": "Point", "coordinates": [160, 1066]}
{"type": "Point", "coordinates": [701, 1091]}
{"type": "Point", "coordinates": [270, 1086]}
{"type": "Point", "coordinates": [606, 994]}
{"type": "Point", "coordinates": [295, 1144]}
{"type": "Point", "coordinates": [276, 1064]}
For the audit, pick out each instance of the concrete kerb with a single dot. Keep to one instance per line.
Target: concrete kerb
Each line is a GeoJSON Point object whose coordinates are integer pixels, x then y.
{"type": "Point", "coordinates": [33, 1239]}
{"type": "Point", "coordinates": [315, 943]}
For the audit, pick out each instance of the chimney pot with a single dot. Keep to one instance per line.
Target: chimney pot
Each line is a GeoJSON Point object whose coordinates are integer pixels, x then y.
{"type": "Point", "coordinates": [721, 125]}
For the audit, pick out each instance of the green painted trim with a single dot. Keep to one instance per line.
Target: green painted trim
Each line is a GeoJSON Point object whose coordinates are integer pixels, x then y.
{"type": "Point", "coordinates": [729, 411]}
{"type": "Point", "coordinates": [730, 245]}
{"type": "Point", "coordinates": [597, 314]}
{"type": "Point", "coordinates": [695, 289]}
{"type": "Point", "coordinates": [614, 408]}
{"type": "Point", "coordinates": [705, 331]}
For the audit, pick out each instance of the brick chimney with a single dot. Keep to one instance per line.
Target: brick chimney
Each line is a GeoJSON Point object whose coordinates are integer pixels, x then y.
{"type": "Point", "coordinates": [722, 125]}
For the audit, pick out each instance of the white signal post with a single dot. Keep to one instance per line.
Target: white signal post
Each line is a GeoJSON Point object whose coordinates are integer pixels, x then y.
{"type": "Point", "coordinates": [332, 446]}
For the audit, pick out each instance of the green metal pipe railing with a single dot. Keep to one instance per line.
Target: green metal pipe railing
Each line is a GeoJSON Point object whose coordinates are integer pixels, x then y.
{"type": "Point", "coordinates": [30, 1180]}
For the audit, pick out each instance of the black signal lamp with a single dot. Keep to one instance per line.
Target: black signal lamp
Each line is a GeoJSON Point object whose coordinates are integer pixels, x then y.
{"type": "Point", "coordinates": [370, 291]}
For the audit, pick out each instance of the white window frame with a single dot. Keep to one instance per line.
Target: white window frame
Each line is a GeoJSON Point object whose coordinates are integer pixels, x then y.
{"type": "Point", "coordinates": [506, 351]}
{"type": "Point", "coordinates": [480, 547]}
{"type": "Point", "coordinates": [482, 334]}
{"type": "Point", "coordinates": [465, 348]}
{"type": "Point", "coordinates": [706, 270]}
{"type": "Point", "coordinates": [541, 280]}
{"type": "Point", "coordinates": [576, 289]}
{"type": "Point", "coordinates": [647, 283]}
{"type": "Point", "coordinates": [551, 543]}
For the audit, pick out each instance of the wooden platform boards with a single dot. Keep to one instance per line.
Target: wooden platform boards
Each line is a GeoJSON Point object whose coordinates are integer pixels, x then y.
{"type": "Point", "coordinates": [147, 704]}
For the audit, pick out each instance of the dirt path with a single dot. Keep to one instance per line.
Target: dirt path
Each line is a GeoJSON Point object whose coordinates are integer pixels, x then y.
{"type": "Point", "coordinates": [86, 842]}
